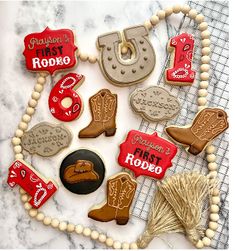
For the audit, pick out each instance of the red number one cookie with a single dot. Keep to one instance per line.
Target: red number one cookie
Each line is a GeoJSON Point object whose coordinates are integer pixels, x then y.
{"type": "Point", "coordinates": [65, 88]}
{"type": "Point", "coordinates": [147, 155]}
{"type": "Point", "coordinates": [181, 73]}
{"type": "Point", "coordinates": [22, 174]}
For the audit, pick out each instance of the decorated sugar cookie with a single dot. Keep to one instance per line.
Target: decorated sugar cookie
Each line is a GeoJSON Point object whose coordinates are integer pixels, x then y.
{"type": "Point", "coordinates": [40, 189]}
{"type": "Point", "coordinates": [50, 50]}
{"type": "Point", "coordinates": [154, 103]}
{"type": "Point", "coordinates": [120, 193]}
{"type": "Point", "coordinates": [46, 139]}
{"type": "Point", "coordinates": [66, 88]}
{"type": "Point", "coordinates": [82, 171]}
{"type": "Point", "coordinates": [134, 70]}
{"type": "Point", "coordinates": [180, 72]}
{"type": "Point", "coordinates": [103, 107]}
{"type": "Point", "coordinates": [207, 125]}
{"type": "Point", "coordinates": [148, 155]}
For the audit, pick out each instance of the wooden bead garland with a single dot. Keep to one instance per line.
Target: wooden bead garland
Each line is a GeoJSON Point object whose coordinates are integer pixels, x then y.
{"type": "Point", "coordinates": [202, 101]}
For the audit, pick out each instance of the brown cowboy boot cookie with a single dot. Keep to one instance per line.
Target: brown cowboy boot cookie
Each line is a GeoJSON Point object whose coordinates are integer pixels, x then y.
{"type": "Point", "coordinates": [103, 107]}
{"type": "Point", "coordinates": [207, 125]}
{"type": "Point", "coordinates": [120, 193]}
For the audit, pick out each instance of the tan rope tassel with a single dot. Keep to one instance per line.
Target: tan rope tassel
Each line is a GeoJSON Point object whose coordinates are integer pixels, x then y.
{"type": "Point", "coordinates": [162, 219]}
{"type": "Point", "coordinates": [186, 192]}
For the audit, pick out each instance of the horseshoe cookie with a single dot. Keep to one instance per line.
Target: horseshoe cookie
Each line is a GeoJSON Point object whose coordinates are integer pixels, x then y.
{"type": "Point", "coordinates": [130, 71]}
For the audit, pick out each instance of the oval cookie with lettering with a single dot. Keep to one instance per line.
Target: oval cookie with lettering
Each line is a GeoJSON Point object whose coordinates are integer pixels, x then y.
{"type": "Point", "coordinates": [46, 139]}
{"type": "Point", "coordinates": [154, 104]}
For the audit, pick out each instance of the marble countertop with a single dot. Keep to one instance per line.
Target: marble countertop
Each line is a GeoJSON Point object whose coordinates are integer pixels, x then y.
{"type": "Point", "coordinates": [87, 19]}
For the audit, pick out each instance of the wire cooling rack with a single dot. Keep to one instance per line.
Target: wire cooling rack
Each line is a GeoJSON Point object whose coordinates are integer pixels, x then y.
{"type": "Point", "coordinates": [216, 14]}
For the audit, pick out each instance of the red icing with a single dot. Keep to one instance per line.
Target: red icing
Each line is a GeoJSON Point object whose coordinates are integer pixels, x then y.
{"type": "Point", "coordinates": [65, 87]}
{"type": "Point", "coordinates": [146, 154]}
{"type": "Point", "coordinates": [23, 175]}
{"type": "Point", "coordinates": [183, 53]}
{"type": "Point", "coordinates": [50, 50]}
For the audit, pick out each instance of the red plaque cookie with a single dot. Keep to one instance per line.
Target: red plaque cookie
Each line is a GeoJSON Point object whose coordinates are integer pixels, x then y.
{"type": "Point", "coordinates": [65, 88]}
{"type": "Point", "coordinates": [50, 50]}
{"type": "Point", "coordinates": [22, 174]}
{"type": "Point", "coordinates": [180, 72]}
{"type": "Point", "coordinates": [147, 155]}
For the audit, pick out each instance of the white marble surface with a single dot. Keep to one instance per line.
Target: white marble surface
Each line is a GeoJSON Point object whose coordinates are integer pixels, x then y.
{"type": "Point", "coordinates": [88, 20]}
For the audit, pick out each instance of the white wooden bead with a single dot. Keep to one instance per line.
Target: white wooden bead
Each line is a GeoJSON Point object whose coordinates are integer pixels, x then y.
{"type": "Point", "coordinates": [23, 126]}
{"type": "Point", "coordinates": [202, 92]}
{"type": "Point", "coordinates": [204, 84]}
{"type": "Point", "coordinates": [214, 217]}
{"type": "Point", "coordinates": [214, 208]}
{"type": "Point", "coordinates": [38, 88]}
{"type": "Point", "coordinates": [40, 216]}
{"type": "Point", "coordinates": [125, 245]}
{"type": "Point", "coordinates": [212, 166]}
{"type": "Point", "coordinates": [205, 34]}
{"type": "Point", "coordinates": [24, 197]}
{"type": "Point", "coordinates": [26, 118]}
{"type": "Point", "coordinates": [210, 233]}
{"type": "Point", "coordinates": [16, 141]}
{"type": "Point", "coordinates": [32, 103]}
{"type": "Point", "coordinates": [86, 231]}
{"type": "Point", "coordinates": [19, 156]}
{"type": "Point", "coordinates": [202, 101]}
{"type": "Point", "coordinates": [19, 133]}
{"type": "Point", "coordinates": [22, 191]}
{"type": "Point", "coordinates": [205, 59]}
{"type": "Point", "coordinates": [185, 9]}
{"type": "Point", "coordinates": [206, 42]}
{"type": "Point", "coordinates": [17, 149]}
{"type": "Point", "coordinates": [211, 157]}
{"type": "Point", "coordinates": [102, 238]}
{"type": "Point", "coordinates": [206, 241]}
{"type": "Point", "coordinates": [212, 174]}
{"type": "Point", "coordinates": [27, 206]}
{"type": "Point", "coordinates": [62, 226]}
{"type": "Point", "coordinates": [70, 227]}
{"type": "Point", "coordinates": [94, 235]}
{"type": "Point", "coordinates": [199, 244]}
{"type": "Point", "coordinates": [44, 74]}
{"type": "Point", "coordinates": [47, 221]}
{"type": "Point", "coordinates": [92, 59]}
{"type": "Point", "coordinates": [192, 13]}
{"type": "Point", "coordinates": [204, 76]}
{"type": "Point", "coordinates": [109, 242]}
{"type": "Point", "coordinates": [215, 192]}
{"type": "Point", "coordinates": [79, 229]}
{"type": "Point", "coordinates": [83, 56]}
{"type": "Point", "coordinates": [168, 11]}
{"type": "Point", "coordinates": [41, 80]}
{"type": "Point", "coordinates": [210, 149]}
{"type": "Point", "coordinates": [205, 67]}
{"type": "Point", "coordinates": [33, 212]}
{"type": "Point", "coordinates": [203, 26]}
{"type": "Point", "coordinates": [215, 200]}
{"type": "Point", "coordinates": [213, 225]}
{"type": "Point", "coordinates": [117, 245]}
{"type": "Point", "coordinates": [36, 95]}
{"type": "Point", "coordinates": [55, 223]}
{"type": "Point", "coordinates": [176, 8]}
{"type": "Point", "coordinates": [154, 20]}
{"type": "Point", "coordinates": [124, 49]}
{"type": "Point", "coordinates": [206, 51]}
{"type": "Point", "coordinates": [199, 18]}
{"type": "Point", "coordinates": [161, 14]}
{"type": "Point", "coordinates": [30, 111]}
{"type": "Point", "coordinates": [133, 245]}
{"type": "Point", "coordinates": [148, 25]}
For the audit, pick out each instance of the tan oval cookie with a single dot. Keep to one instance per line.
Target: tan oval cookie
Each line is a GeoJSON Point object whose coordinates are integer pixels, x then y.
{"type": "Point", "coordinates": [154, 103]}
{"type": "Point", "coordinates": [46, 139]}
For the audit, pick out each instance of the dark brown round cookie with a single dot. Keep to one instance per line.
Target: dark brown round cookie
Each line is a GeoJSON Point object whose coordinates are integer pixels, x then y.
{"type": "Point", "coordinates": [82, 171]}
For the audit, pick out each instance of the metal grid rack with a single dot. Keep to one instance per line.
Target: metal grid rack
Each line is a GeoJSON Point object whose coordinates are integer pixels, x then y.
{"type": "Point", "coordinates": [216, 14]}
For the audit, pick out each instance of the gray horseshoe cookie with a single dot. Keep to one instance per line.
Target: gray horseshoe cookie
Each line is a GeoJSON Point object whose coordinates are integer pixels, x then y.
{"type": "Point", "coordinates": [154, 104]}
{"type": "Point", "coordinates": [130, 71]}
{"type": "Point", "coordinates": [46, 139]}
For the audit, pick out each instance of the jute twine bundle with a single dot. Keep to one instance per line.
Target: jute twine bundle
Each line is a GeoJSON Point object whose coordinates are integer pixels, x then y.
{"type": "Point", "coordinates": [177, 207]}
